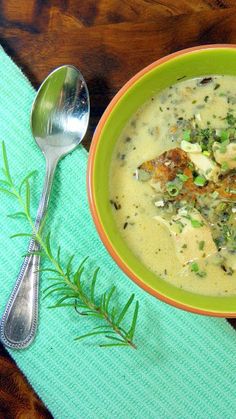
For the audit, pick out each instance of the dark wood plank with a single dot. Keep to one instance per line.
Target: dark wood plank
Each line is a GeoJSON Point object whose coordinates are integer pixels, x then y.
{"type": "Point", "coordinates": [109, 40]}
{"type": "Point", "coordinates": [108, 55]}
{"type": "Point", "coordinates": [39, 14]}
{"type": "Point", "coordinates": [17, 398]}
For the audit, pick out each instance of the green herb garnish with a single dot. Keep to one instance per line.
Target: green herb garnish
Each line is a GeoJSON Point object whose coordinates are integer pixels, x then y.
{"type": "Point", "coordinates": [172, 189]}
{"type": "Point", "coordinates": [182, 177]}
{"type": "Point", "coordinates": [201, 245]}
{"type": "Point", "coordinates": [230, 118]}
{"type": "Point", "coordinates": [190, 165]}
{"type": "Point", "coordinates": [67, 282]}
{"type": "Point", "coordinates": [187, 135]}
{"type": "Point", "coordinates": [224, 135]}
{"type": "Point", "coordinates": [200, 181]}
{"type": "Point", "coordinates": [196, 223]}
{"type": "Point", "coordinates": [205, 137]}
{"type": "Point", "coordinates": [194, 267]}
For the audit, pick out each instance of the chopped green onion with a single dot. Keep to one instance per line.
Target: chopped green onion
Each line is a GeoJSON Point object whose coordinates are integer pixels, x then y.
{"type": "Point", "coordinates": [200, 181]}
{"type": "Point", "coordinates": [196, 223]}
{"type": "Point", "coordinates": [206, 153]}
{"type": "Point", "coordinates": [172, 189]}
{"type": "Point", "coordinates": [224, 135]}
{"type": "Point", "coordinates": [186, 135]}
{"type": "Point", "coordinates": [182, 177]}
{"type": "Point", "coordinates": [201, 245]}
{"type": "Point", "coordinates": [194, 267]}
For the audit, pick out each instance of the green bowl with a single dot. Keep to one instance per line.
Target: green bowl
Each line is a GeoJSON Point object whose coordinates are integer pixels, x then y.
{"type": "Point", "coordinates": [193, 62]}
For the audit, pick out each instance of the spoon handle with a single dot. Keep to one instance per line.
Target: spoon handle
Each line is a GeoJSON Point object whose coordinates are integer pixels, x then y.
{"type": "Point", "coordinates": [19, 322]}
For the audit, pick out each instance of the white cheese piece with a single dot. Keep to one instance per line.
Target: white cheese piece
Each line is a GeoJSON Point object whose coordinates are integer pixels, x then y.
{"type": "Point", "coordinates": [189, 147]}
{"type": "Point", "coordinates": [229, 156]}
{"type": "Point", "coordinates": [187, 238]}
{"type": "Point", "coordinates": [160, 203]}
{"type": "Point", "coordinates": [198, 117]}
{"type": "Point", "coordinates": [205, 166]}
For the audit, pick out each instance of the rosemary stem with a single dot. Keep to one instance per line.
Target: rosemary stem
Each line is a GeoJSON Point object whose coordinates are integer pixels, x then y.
{"type": "Point", "coordinates": [89, 304]}
{"type": "Point", "coordinates": [74, 285]}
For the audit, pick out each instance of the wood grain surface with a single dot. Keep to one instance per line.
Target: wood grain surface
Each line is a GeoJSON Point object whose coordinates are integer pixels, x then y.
{"type": "Point", "coordinates": [109, 40]}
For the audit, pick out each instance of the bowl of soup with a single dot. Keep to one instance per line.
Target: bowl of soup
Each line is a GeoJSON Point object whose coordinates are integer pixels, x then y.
{"type": "Point", "coordinates": [162, 179]}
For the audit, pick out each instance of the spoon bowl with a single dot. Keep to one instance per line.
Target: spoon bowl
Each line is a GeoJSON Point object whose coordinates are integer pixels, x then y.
{"type": "Point", "coordinates": [59, 121]}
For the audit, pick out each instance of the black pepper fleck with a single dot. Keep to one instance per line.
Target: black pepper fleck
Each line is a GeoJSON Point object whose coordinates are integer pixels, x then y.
{"type": "Point", "coordinates": [206, 80]}
{"type": "Point", "coordinates": [125, 225]}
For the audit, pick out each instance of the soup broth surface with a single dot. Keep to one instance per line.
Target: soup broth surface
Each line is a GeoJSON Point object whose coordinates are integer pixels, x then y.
{"type": "Point", "coordinates": [160, 221]}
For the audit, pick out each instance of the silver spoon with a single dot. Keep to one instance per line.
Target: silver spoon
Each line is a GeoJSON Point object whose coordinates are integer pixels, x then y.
{"type": "Point", "coordinates": [59, 120]}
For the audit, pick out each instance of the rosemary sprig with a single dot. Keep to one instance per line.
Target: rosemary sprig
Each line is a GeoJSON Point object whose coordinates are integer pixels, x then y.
{"type": "Point", "coordinates": [67, 284]}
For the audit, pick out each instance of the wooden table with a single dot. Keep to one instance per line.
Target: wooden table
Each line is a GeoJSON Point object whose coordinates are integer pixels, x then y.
{"type": "Point", "coordinates": [109, 40]}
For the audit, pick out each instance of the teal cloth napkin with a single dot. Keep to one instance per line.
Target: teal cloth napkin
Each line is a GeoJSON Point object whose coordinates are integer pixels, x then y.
{"type": "Point", "coordinates": [184, 366]}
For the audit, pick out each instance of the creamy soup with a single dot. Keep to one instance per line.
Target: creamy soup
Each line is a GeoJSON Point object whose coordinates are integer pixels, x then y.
{"type": "Point", "coordinates": [172, 185]}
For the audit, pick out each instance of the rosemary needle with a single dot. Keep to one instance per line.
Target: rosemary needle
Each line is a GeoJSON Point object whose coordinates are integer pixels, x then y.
{"type": "Point", "coordinates": [67, 284]}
